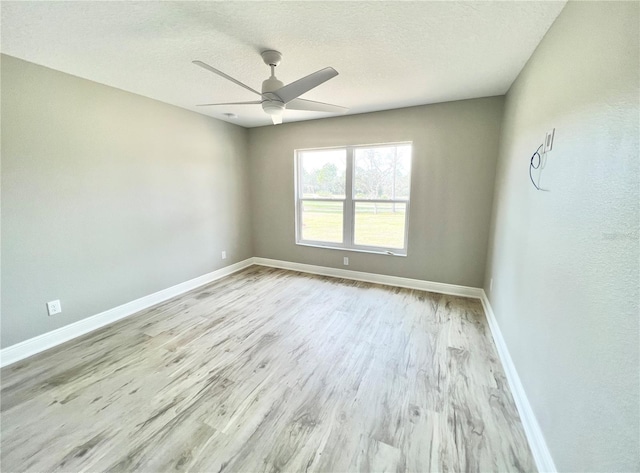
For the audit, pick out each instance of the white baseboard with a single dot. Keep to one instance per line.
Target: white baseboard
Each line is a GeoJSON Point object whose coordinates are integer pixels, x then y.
{"type": "Point", "coordinates": [51, 339]}
{"type": "Point", "coordinates": [537, 443]}
{"type": "Point", "coordinates": [419, 284]}
{"type": "Point", "coordinates": [35, 345]}
{"type": "Point", "coordinates": [539, 448]}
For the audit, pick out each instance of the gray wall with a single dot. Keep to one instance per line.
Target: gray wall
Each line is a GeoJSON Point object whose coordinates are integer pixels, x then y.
{"type": "Point", "coordinates": [455, 152]}
{"type": "Point", "coordinates": [564, 263]}
{"type": "Point", "coordinates": [108, 196]}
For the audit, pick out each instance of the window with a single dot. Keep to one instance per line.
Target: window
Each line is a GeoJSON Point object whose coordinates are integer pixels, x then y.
{"type": "Point", "coordinates": [356, 197]}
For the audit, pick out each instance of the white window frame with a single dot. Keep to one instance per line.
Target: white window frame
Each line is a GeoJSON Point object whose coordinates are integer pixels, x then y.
{"type": "Point", "coordinates": [349, 204]}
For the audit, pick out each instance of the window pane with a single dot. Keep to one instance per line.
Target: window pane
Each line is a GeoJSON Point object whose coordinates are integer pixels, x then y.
{"type": "Point", "coordinates": [322, 221]}
{"type": "Point", "coordinates": [382, 172]}
{"type": "Point", "coordinates": [323, 173]}
{"type": "Point", "coordinates": [380, 225]}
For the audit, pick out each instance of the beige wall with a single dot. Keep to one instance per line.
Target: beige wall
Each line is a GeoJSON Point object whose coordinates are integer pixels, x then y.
{"type": "Point", "coordinates": [565, 263]}
{"type": "Point", "coordinates": [108, 196]}
{"type": "Point", "coordinates": [455, 152]}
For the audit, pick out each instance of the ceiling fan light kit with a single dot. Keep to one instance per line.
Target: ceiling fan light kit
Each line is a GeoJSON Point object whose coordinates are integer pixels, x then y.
{"type": "Point", "coordinates": [277, 97]}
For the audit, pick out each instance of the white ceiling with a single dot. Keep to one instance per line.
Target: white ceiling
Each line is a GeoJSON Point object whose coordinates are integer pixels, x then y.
{"type": "Point", "coordinates": [389, 54]}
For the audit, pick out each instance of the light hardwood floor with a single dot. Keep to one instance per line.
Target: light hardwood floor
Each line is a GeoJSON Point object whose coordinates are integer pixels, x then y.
{"type": "Point", "coordinates": [271, 370]}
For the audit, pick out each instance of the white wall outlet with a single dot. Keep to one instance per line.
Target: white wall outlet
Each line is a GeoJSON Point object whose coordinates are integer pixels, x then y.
{"type": "Point", "coordinates": [548, 140]}
{"type": "Point", "coordinates": [54, 307]}
{"type": "Point", "coordinates": [345, 260]}
{"type": "Point", "coordinates": [490, 284]}
{"type": "Point", "coordinates": [224, 255]}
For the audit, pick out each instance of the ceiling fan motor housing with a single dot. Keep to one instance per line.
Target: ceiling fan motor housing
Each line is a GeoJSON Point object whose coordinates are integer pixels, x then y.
{"type": "Point", "coordinates": [271, 85]}
{"type": "Point", "coordinates": [272, 106]}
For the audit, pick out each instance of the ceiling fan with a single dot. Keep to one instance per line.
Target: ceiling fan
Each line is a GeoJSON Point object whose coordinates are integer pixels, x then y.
{"type": "Point", "coordinates": [275, 96]}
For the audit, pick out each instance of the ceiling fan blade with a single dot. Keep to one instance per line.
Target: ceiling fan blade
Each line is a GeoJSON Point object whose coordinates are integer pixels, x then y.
{"type": "Point", "coordinates": [255, 102]}
{"type": "Point", "coordinates": [222, 74]}
{"type": "Point", "coordinates": [277, 119]}
{"type": "Point", "coordinates": [299, 87]}
{"type": "Point", "coordinates": [311, 106]}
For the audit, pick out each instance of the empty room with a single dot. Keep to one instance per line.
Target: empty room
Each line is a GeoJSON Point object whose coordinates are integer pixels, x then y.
{"type": "Point", "coordinates": [366, 236]}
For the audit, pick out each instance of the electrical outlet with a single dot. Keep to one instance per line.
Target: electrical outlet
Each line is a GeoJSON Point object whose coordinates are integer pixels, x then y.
{"type": "Point", "coordinates": [345, 260]}
{"type": "Point", "coordinates": [548, 140]}
{"type": "Point", "coordinates": [224, 255]}
{"type": "Point", "coordinates": [54, 307]}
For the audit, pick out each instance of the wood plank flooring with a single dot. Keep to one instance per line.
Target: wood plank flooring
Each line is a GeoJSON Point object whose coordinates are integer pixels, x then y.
{"type": "Point", "coordinates": [270, 370]}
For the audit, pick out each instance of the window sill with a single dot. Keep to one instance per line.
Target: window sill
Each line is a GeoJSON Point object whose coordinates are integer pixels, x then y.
{"type": "Point", "coordinates": [355, 250]}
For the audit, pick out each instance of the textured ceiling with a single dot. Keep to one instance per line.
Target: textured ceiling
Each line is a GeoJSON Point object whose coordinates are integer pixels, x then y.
{"type": "Point", "coordinates": [388, 54]}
